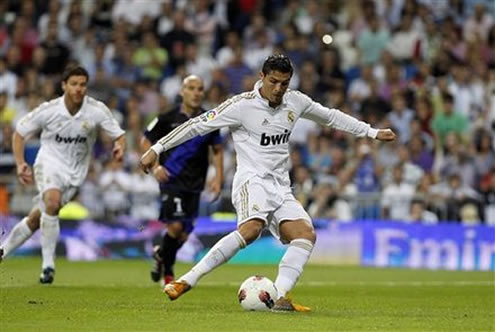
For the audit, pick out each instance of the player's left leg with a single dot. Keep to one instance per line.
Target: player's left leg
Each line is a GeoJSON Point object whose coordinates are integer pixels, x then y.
{"type": "Point", "coordinates": [50, 230]}
{"type": "Point", "coordinates": [301, 237]}
{"type": "Point", "coordinates": [293, 226]}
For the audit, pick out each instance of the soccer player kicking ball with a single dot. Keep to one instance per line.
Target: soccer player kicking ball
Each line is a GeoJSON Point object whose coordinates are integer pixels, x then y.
{"type": "Point", "coordinates": [68, 127]}
{"type": "Point", "coordinates": [261, 121]}
{"type": "Point", "coordinates": [182, 174]}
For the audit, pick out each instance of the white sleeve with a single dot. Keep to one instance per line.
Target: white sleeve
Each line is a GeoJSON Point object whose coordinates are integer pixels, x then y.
{"type": "Point", "coordinates": [33, 122]}
{"type": "Point", "coordinates": [225, 115]}
{"type": "Point", "coordinates": [336, 119]}
{"type": "Point", "coordinates": [108, 123]}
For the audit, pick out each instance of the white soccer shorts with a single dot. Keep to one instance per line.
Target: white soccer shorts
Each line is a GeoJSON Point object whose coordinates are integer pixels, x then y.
{"type": "Point", "coordinates": [51, 178]}
{"type": "Point", "coordinates": [265, 199]}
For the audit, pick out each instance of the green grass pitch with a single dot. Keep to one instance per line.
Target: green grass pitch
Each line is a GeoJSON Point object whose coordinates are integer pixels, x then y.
{"type": "Point", "coordinates": [117, 295]}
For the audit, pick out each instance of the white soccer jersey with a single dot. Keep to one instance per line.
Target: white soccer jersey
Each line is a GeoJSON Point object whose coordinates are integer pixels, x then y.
{"type": "Point", "coordinates": [261, 132]}
{"type": "Point", "coordinates": [67, 140]}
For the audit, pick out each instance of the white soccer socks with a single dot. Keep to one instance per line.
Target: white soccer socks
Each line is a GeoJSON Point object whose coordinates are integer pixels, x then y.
{"type": "Point", "coordinates": [19, 234]}
{"type": "Point", "coordinates": [291, 265]}
{"type": "Point", "coordinates": [221, 252]}
{"type": "Point", "coordinates": [50, 229]}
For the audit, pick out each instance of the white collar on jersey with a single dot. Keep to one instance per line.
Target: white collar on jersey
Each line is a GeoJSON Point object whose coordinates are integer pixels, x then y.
{"type": "Point", "coordinates": [257, 87]}
{"type": "Point", "coordinates": [62, 103]}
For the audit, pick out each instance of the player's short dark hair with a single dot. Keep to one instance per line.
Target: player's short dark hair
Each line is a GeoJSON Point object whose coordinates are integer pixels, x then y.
{"type": "Point", "coordinates": [277, 62]}
{"type": "Point", "coordinates": [74, 70]}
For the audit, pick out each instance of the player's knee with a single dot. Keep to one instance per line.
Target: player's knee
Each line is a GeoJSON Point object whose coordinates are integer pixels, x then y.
{"type": "Point", "coordinates": [183, 237]}
{"type": "Point", "coordinates": [251, 230]}
{"type": "Point", "coordinates": [33, 223]}
{"type": "Point", "coordinates": [52, 206]}
{"type": "Point", "coordinates": [175, 229]}
{"type": "Point", "coordinates": [300, 230]}
{"type": "Point", "coordinates": [310, 235]}
{"type": "Point", "coordinates": [307, 234]}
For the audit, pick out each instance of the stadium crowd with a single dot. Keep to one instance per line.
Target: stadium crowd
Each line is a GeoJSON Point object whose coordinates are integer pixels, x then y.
{"type": "Point", "coordinates": [425, 68]}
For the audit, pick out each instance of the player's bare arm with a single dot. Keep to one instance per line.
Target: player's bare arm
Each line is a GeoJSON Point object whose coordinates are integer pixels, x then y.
{"type": "Point", "coordinates": [119, 148]}
{"type": "Point", "coordinates": [386, 135]}
{"type": "Point", "coordinates": [24, 172]}
{"type": "Point", "coordinates": [215, 185]}
{"type": "Point", "coordinates": [159, 172]}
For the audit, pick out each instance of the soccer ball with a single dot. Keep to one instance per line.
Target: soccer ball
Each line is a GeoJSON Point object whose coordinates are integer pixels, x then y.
{"type": "Point", "coordinates": [257, 293]}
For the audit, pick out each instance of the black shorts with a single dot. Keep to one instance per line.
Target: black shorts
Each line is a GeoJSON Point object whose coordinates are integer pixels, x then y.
{"type": "Point", "coordinates": [180, 206]}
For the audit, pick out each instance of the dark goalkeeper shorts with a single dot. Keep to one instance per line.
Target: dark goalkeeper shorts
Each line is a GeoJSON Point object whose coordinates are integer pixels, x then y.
{"type": "Point", "coordinates": [180, 206]}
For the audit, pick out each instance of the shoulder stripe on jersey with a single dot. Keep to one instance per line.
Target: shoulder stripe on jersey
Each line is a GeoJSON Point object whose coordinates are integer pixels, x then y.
{"type": "Point", "coordinates": [219, 109]}
{"type": "Point", "coordinates": [235, 99]}
{"type": "Point", "coordinates": [42, 107]}
{"type": "Point", "coordinates": [176, 131]}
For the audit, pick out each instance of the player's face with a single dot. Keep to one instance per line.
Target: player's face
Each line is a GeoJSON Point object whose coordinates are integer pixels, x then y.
{"type": "Point", "coordinates": [274, 86]}
{"type": "Point", "coordinates": [193, 93]}
{"type": "Point", "coordinates": [75, 88]}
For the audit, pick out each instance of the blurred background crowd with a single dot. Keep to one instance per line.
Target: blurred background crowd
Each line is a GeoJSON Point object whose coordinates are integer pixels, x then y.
{"type": "Point", "coordinates": [425, 68]}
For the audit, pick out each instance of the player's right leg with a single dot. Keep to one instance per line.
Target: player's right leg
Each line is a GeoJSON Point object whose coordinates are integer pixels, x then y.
{"type": "Point", "coordinates": [50, 230]}
{"type": "Point", "coordinates": [221, 252]}
{"type": "Point", "coordinates": [21, 232]}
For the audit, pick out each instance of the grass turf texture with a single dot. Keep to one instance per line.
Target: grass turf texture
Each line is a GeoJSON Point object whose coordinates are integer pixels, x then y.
{"type": "Point", "coordinates": [119, 296]}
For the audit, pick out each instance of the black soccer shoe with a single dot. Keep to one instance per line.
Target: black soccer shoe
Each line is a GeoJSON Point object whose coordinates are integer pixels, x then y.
{"type": "Point", "coordinates": [47, 275]}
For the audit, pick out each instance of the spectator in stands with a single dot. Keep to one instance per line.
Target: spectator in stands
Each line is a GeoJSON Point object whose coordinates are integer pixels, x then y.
{"type": "Point", "coordinates": [236, 71]}
{"type": "Point", "coordinates": [366, 171]}
{"type": "Point", "coordinates": [7, 113]}
{"type": "Point", "coordinates": [397, 196]}
{"type": "Point", "coordinates": [374, 108]}
{"type": "Point", "coordinates": [8, 80]}
{"type": "Point", "coordinates": [372, 41]}
{"type": "Point", "coordinates": [57, 53]}
{"type": "Point", "coordinates": [449, 120]}
{"type": "Point", "coordinates": [451, 195]}
{"type": "Point", "coordinates": [150, 57]}
{"type": "Point", "coordinates": [400, 117]}
{"type": "Point", "coordinates": [115, 184]}
{"type": "Point", "coordinates": [226, 53]}
{"type": "Point", "coordinates": [419, 213]}
{"type": "Point", "coordinates": [176, 40]}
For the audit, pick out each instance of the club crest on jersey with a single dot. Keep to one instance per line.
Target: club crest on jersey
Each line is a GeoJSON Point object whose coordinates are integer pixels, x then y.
{"type": "Point", "coordinates": [85, 126]}
{"type": "Point", "coordinates": [208, 115]}
{"type": "Point", "coordinates": [291, 117]}
{"type": "Point", "coordinates": [275, 139]}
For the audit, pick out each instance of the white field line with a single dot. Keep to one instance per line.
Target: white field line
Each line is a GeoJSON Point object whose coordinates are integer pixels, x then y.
{"type": "Point", "coordinates": [457, 283]}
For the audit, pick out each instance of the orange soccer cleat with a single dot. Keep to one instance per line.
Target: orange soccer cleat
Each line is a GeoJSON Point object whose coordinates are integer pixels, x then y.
{"type": "Point", "coordinates": [175, 289]}
{"type": "Point", "coordinates": [284, 304]}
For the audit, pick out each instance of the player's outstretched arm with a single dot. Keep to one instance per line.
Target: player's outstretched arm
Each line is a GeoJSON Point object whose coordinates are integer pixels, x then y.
{"type": "Point", "coordinates": [385, 135]}
{"type": "Point", "coordinates": [24, 173]}
{"type": "Point", "coordinates": [148, 160]}
{"type": "Point", "coordinates": [339, 120]}
{"type": "Point", "coordinates": [119, 145]}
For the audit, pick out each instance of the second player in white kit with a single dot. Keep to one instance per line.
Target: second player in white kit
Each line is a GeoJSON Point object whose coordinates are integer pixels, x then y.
{"type": "Point", "coordinates": [261, 122]}
{"type": "Point", "coordinates": [69, 126]}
